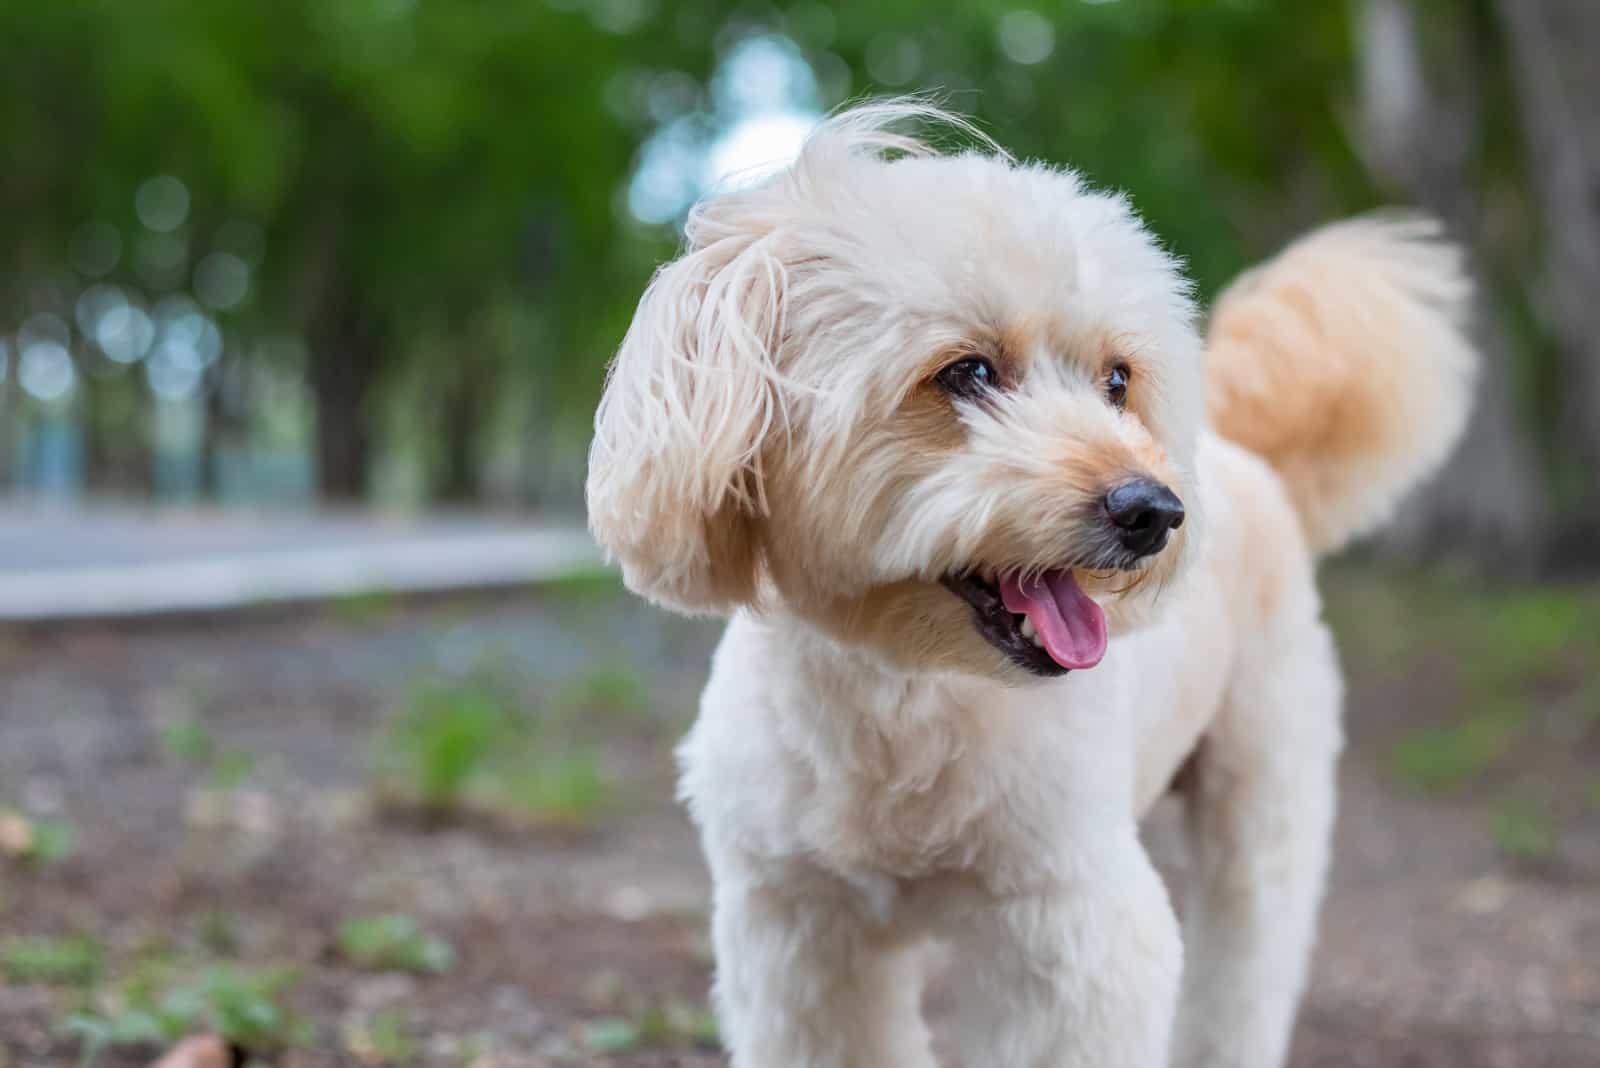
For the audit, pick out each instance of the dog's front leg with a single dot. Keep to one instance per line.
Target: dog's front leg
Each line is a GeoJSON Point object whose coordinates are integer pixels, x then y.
{"type": "Point", "coordinates": [803, 981]}
{"type": "Point", "coordinates": [1083, 974]}
{"type": "Point", "coordinates": [1260, 813]}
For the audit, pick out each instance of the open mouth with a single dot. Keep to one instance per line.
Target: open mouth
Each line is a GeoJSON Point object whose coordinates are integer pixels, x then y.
{"type": "Point", "coordinates": [1045, 624]}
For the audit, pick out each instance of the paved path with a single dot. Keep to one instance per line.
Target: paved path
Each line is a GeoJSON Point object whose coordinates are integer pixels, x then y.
{"type": "Point", "coordinates": [105, 561]}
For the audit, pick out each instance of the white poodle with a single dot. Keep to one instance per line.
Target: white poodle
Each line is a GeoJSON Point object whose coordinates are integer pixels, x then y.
{"type": "Point", "coordinates": [1006, 548]}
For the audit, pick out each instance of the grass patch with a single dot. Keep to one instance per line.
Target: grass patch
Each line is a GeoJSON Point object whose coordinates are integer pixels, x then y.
{"type": "Point", "coordinates": [1506, 657]}
{"type": "Point", "coordinates": [52, 961]}
{"type": "Point", "coordinates": [462, 746]}
{"type": "Point", "coordinates": [394, 942]}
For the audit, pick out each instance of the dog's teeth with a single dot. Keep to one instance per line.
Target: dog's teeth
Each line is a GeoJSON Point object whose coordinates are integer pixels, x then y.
{"type": "Point", "coordinates": [1037, 642]}
{"type": "Point", "coordinates": [1028, 632]}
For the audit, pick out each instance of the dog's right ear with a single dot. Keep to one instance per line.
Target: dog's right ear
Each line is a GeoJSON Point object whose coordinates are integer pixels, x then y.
{"type": "Point", "coordinates": [674, 487]}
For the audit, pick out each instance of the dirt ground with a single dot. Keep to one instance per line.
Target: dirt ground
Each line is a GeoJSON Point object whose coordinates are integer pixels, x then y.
{"type": "Point", "coordinates": [1462, 928]}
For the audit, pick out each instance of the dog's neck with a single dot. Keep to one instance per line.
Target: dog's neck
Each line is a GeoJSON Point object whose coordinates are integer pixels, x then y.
{"type": "Point", "coordinates": [840, 675]}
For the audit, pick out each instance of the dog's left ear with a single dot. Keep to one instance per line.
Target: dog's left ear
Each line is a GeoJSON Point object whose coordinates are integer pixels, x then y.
{"type": "Point", "coordinates": [674, 487]}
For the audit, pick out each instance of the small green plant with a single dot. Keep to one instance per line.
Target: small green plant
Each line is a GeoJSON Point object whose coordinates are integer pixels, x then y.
{"type": "Point", "coordinates": [242, 1006]}
{"type": "Point", "coordinates": [365, 609]}
{"type": "Point", "coordinates": [394, 942]}
{"type": "Point", "coordinates": [189, 742]}
{"type": "Point", "coordinates": [613, 1034]}
{"type": "Point", "coordinates": [675, 1021]}
{"type": "Point", "coordinates": [95, 1034]}
{"type": "Point", "coordinates": [607, 689]}
{"type": "Point", "coordinates": [1523, 831]}
{"type": "Point", "coordinates": [462, 747]}
{"type": "Point", "coordinates": [445, 741]}
{"type": "Point", "coordinates": [381, 1038]}
{"type": "Point", "coordinates": [565, 787]}
{"type": "Point", "coordinates": [1441, 758]}
{"type": "Point", "coordinates": [219, 932]}
{"type": "Point", "coordinates": [666, 1023]}
{"type": "Point", "coordinates": [53, 961]}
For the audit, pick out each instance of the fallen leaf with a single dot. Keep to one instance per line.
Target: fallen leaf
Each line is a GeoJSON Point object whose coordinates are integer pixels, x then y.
{"type": "Point", "coordinates": [16, 833]}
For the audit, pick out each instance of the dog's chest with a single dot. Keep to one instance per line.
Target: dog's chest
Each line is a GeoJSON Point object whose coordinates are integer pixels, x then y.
{"type": "Point", "coordinates": [934, 791]}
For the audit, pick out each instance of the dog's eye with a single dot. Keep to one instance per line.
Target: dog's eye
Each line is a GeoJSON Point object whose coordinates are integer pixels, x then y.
{"type": "Point", "coordinates": [1117, 386]}
{"type": "Point", "coordinates": [967, 377]}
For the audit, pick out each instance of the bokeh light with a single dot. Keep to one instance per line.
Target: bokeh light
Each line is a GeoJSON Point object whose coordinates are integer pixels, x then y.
{"type": "Point", "coordinates": [94, 304]}
{"type": "Point", "coordinates": [124, 333]}
{"type": "Point", "coordinates": [185, 333]}
{"type": "Point", "coordinates": [620, 16]}
{"type": "Point", "coordinates": [221, 280]}
{"type": "Point", "coordinates": [162, 204]}
{"type": "Point", "coordinates": [173, 370]}
{"type": "Point", "coordinates": [764, 73]}
{"type": "Point", "coordinates": [45, 370]}
{"type": "Point", "coordinates": [765, 99]}
{"type": "Point", "coordinates": [893, 59]}
{"type": "Point", "coordinates": [1026, 37]}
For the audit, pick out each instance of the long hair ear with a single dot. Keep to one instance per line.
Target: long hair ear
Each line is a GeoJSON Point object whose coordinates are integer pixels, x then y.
{"type": "Point", "coordinates": [674, 487]}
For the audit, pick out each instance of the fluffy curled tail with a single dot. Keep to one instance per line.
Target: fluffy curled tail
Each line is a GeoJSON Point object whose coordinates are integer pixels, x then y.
{"type": "Point", "coordinates": [1344, 364]}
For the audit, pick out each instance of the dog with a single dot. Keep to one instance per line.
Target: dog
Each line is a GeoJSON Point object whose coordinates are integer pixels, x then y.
{"type": "Point", "coordinates": [1005, 547]}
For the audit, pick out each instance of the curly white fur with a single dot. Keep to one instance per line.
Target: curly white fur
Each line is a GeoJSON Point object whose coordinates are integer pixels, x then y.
{"type": "Point", "coordinates": [868, 771]}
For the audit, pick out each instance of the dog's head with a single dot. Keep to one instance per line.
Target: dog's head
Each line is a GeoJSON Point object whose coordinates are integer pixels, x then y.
{"type": "Point", "coordinates": [943, 406]}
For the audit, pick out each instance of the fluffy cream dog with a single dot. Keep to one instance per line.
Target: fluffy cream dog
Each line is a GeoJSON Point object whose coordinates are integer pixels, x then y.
{"type": "Point", "coordinates": [1004, 550]}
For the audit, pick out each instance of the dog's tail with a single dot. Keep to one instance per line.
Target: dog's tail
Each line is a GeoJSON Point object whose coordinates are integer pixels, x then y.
{"type": "Point", "coordinates": [1343, 362]}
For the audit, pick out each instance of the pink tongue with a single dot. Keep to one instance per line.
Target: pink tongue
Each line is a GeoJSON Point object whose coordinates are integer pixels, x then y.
{"type": "Point", "coordinates": [1071, 626]}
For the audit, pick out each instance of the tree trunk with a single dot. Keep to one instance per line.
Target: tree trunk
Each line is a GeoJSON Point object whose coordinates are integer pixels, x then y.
{"type": "Point", "coordinates": [1556, 48]}
{"type": "Point", "coordinates": [347, 354]}
{"type": "Point", "coordinates": [463, 413]}
{"type": "Point", "coordinates": [99, 443]}
{"type": "Point", "coordinates": [1420, 124]}
{"type": "Point", "coordinates": [10, 415]}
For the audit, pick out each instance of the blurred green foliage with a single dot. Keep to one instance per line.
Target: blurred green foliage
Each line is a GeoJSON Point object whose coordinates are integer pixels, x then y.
{"type": "Point", "coordinates": [394, 941]}
{"type": "Point", "coordinates": [62, 961]}
{"type": "Point", "coordinates": [432, 197]}
{"type": "Point", "coordinates": [439, 187]}
{"type": "Point", "coordinates": [156, 1007]}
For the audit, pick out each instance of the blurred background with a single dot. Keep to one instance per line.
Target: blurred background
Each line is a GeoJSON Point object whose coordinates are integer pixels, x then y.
{"type": "Point", "coordinates": [321, 727]}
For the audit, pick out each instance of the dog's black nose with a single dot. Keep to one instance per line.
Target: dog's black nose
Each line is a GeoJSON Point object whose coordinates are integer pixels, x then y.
{"type": "Point", "coordinates": [1144, 511]}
